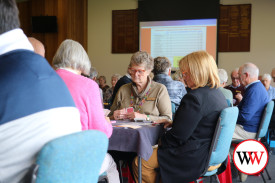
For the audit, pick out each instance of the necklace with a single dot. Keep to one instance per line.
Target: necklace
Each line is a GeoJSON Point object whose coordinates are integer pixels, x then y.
{"type": "Point", "coordinates": [140, 103]}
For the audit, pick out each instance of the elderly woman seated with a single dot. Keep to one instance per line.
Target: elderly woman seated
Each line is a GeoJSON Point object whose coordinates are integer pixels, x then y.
{"type": "Point", "coordinates": [183, 150]}
{"type": "Point", "coordinates": [149, 100]}
{"type": "Point", "coordinates": [102, 83]}
{"type": "Point", "coordinates": [70, 61]}
{"type": "Point", "coordinates": [109, 92]}
{"type": "Point", "coordinates": [266, 80]}
{"type": "Point", "coordinates": [223, 80]}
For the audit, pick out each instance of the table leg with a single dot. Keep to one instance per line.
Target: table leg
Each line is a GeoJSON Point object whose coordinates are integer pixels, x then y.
{"type": "Point", "coordinates": [139, 170]}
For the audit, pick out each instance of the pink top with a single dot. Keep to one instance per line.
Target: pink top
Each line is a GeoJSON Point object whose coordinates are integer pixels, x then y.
{"type": "Point", "coordinates": [85, 93]}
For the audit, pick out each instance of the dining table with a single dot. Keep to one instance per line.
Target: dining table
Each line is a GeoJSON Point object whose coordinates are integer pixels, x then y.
{"type": "Point", "coordinates": [138, 137]}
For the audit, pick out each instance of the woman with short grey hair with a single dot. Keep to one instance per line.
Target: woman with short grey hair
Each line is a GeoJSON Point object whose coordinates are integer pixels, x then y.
{"type": "Point", "coordinates": [71, 54]}
{"type": "Point", "coordinates": [223, 80]}
{"type": "Point", "coordinates": [266, 80]}
{"type": "Point", "coordinates": [143, 98]}
{"type": "Point", "coordinates": [223, 77]}
{"type": "Point", "coordinates": [71, 60]}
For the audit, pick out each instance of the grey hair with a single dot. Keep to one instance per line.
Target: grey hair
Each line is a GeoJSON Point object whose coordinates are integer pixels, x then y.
{"type": "Point", "coordinates": [142, 58]}
{"type": "Point", "coordinates": [236, 69]}
{"type": "Point", "coordinates": [72, 55]}
{"type": "Point", "coordinates": [251, 69]}
{"type": "Point", "coordinates": [161, 65]}
{"type": "Point", "coordinates": [117, 76]}
{"type": "Point", "coordinates": [266, 76]}
{"type": "Point", "coordinates": [93, 73]}
{"type": "Point", "coordinates": [177, 75]}
{"type": "Point", "coordinates": [222, 75]}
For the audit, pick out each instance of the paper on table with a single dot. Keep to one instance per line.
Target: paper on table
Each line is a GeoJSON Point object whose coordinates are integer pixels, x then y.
{"type": "Point", "coordinates": [128, 126]}
{"type": "Point", "coordinates": [106, 112]}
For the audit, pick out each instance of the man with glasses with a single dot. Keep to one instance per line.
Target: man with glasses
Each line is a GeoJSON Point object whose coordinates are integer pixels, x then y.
{"type": "Point", "coordinates": [236, 87]}
{"type": "Point", "coordinates": [251, 106]}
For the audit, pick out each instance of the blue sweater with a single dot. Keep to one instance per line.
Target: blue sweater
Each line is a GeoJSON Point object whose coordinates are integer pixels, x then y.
{"type": "Point", "coordinates": [29, 85]}
{"type": "Point", "coordinates": [252, 106]}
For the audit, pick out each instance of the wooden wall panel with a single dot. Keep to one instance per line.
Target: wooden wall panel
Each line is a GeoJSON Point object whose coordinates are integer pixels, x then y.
{"type": "Point", "coordinates": [24, 14]}
{"type": "Point", "coordinates": [234, 28]}
{"type": "Point", "coordinates": [76, 16]}
{"type": "Point", "coordinates": [125, 31]}
{"type": "Point", "coordinates": [71, 22]}
{"type": "Point", "coordinates": [51, 39]}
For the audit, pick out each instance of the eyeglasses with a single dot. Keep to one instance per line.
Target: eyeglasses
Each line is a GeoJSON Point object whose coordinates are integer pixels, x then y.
{"type": "Point", "coordinates": [183, 73]}
{"type": "Point", "coordinates": [235, 78]}
{"type": "Point", "coordinates": [139, 71]}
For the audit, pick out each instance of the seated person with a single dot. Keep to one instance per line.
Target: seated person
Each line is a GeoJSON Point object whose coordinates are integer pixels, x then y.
{"type": "Point", "coordinates": [71, 61]}
{"type": "Point", "coordinates": [122, 81]}
{"type": "Point", "coordinates": [37, 46]}
{"type": "Point", "coordinates": [93, 76]}
{"type": "Point", "coordinates": [102, 83]}
{"type": "Point", "coordinates": [266, 80]}
{"type": "Point", "coordinates": [252, 103]}
{"type": "Point", "coordinates": [162, 72]}
{"type": "Point", "coordinates": [149, 99]}
{"type": "Point", "coordinates": [183, 150]}
{"type": "Point", "coordinates": [223, 80]}
{"type": "Point", "coordinates": [109, 92]}
{"type": "Point", "coordinates": [236, 87]}
{"type": "Point", "coordinates": [36, 106]}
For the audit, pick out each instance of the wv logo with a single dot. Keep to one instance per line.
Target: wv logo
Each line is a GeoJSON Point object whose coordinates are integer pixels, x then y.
{"type": "Point", "coordinates": [250, 156]}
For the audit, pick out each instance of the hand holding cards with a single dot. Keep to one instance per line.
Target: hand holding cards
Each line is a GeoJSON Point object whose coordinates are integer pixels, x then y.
{"type": "Point", "coordinates": [123, 113]}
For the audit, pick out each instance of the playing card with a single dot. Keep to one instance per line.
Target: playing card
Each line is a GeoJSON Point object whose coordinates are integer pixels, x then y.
{"type": "Point", "coordinates": [130, 109]}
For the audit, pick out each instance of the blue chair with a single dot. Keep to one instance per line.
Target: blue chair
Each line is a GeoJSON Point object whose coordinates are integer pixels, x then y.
{"type": "Point", "coordinates": [229, 103]}
{"type": "Point", "coordinates": [173, 105]}
{"type": "Point", "coordinates": [270, 137]}
{"type": "Point", "coordinates": [263, 128]}
{"type": "Point", "coordinates": [72, 158]}
{"type": "Point", "coordinates": [221, 141]}
{"type": "Point", "coordinates": [265, 121]}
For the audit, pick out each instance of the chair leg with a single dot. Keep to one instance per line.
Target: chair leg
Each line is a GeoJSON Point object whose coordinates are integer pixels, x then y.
{"type": "Point", "coordinates": [217, 178]}
{"type": "Point", "coordinates": [158, 176]}
{"type": "Point", "coordinates": [199, 180]}
{"type": "Point", "coordinates": [263, 177]}
{"type": "Point", "coordinates": [267, 174]}
{"type": "Point", "coordinates": [120, 170]}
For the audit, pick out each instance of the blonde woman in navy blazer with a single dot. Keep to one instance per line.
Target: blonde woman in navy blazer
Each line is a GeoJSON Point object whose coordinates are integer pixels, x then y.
{"type": "Point", "coordinates": [183, 150]}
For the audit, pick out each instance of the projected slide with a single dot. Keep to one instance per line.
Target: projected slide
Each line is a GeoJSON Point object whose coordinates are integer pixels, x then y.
{"type": "Point", "coordinates": [175, 39]}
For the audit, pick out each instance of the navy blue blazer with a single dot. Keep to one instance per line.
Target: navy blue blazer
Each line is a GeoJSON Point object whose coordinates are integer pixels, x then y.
{"type": "Point", "coordinates": [183, 150]}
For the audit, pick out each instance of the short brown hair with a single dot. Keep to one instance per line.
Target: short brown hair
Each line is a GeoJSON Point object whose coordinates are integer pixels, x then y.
{"type": "Point", "coordinates": [202, 68]}
{"type": "Point", "coordinates": [161, 65]}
